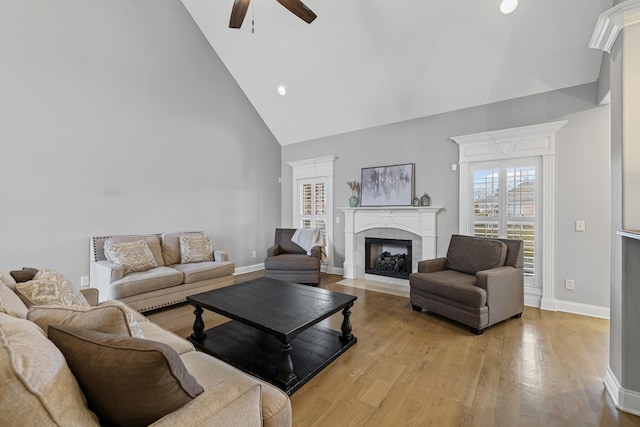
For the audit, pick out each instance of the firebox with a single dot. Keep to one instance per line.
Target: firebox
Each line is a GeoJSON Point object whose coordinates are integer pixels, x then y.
{"type": "Point", "coordinates": [387, 257]}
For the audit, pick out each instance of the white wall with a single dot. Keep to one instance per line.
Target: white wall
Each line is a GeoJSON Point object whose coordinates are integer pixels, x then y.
{"type": "Point", "coordinates": [117, 117]}
{"type": "Point", "coordinates": [581, 179]}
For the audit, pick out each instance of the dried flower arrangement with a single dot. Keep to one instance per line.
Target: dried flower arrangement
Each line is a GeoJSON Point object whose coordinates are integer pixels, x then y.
{"type": "Point", "coordinates": [355, 187]}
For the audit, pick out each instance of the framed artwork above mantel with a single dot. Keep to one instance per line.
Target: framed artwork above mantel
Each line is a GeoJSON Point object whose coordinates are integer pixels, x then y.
{"type": "Point", "coordinates": [387, 185]}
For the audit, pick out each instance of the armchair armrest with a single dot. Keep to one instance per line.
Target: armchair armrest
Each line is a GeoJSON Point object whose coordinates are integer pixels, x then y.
{"type": "Point", "coordinates": [220, 256]}
{"type": "Point", "coordinates": [220, 406]}
{"type": "Point", "coordinates": [432, 265]}
{"type": "Point", "coordinates": [505, 291]}
{"type": "Point", "coordinates": [273, 250]}
{"type": "Point", "coordinates": [316, 252]}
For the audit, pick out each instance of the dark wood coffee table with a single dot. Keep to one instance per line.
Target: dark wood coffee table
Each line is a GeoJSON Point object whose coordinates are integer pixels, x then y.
{"type": "Point", "coordinates": [264, 308]}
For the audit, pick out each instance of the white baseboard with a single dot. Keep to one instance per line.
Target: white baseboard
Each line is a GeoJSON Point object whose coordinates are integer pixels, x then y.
{"type": "Point", "coordinates": [249, 268]}
{"type": "Point", "coordinates": [625, 400]}
{"type": "Point", "coordinates": [583, 309]}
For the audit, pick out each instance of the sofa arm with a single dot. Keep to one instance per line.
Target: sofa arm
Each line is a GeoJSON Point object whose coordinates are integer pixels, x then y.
{"type": "Point", "coordinates": [108, 272]}
{"type": "Point", "coordinates": [505, 291]}
{"type": "Point", "coordinates": [220, 256]}
{"type": "Point", "coordinates": [220, 406]}
{"type": "Point", "coordinates": [91, 295]}
{"type": "Point", "coordinates": [316, 252]}
{"type": "Point", "coordinates": [432, 265]}
{"type": "Point", "coordinates": [273, 250]}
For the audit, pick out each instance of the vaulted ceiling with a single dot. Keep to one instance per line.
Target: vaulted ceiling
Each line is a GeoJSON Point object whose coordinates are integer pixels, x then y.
{"type": "Point", "coordinates": [365, 63]}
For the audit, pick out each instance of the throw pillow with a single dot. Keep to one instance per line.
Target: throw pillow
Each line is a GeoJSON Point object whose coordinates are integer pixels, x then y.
{"type": "Point", "coordinates": [112, 317]}
{"type": "Point", "coordinates": [132, 256]}
{"type": "Point", "coordinates": [127, 381]}
{"type": "Point", "coordinates": [38, 388]}
{"type": "Point", "coordinates": [49, 287]}
{"type": "Point", "coordinates": [11, 303]}
{"type": "Point", "coordinates": [23, 275]}
{"type": "Point", "coordinates": [195, 249]}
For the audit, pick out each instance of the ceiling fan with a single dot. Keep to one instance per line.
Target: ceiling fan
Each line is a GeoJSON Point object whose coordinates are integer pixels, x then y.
{"type": "Point", "coordinates": [295, 6]}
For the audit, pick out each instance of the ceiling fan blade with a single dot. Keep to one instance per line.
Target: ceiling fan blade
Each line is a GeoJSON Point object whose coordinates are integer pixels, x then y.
{"type": "Point", "coordinates": [238, 12]}
{"type": "Point", "coordinates": [299, 9]}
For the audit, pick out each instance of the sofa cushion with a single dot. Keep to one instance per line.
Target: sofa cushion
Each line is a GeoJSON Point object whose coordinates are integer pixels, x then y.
{"type": "Point", "coordinates": [472, 254]}
{"type": "Point", "coordinates": [38, 388]}
{"type": "Point", "coordinates": [171, 246]}
{"type": "Point", "coordinates": [153, 241]}
{"type": "Point", "coordinates": [132, 256]}
{"type": "Point", "coordinates": [452, 285]}
{"type": "Point", "coordinates": [112, 317]}
{"type": "Point", "coordinates": [195, 249]}
{"type": "Point", "coordinates": [199, 271]}
{"type": "Point", "coordinates": [24, 275]}
{"type": "Point", "coordinates": [292, 262]}
{"type": "Point", "coordinates": [50, 287]}
{"type": "Point", "coordinates": [150, 280]}
{"type": "Point", "coordinates": [127, 381]}
{"type": "Point", "coordinates": [11, 303]}
{"type": "Point", "coordinates": [155, 332]}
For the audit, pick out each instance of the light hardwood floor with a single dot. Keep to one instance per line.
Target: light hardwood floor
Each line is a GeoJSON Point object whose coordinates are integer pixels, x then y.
{"type": "Point", "coordinates": [419, 369]}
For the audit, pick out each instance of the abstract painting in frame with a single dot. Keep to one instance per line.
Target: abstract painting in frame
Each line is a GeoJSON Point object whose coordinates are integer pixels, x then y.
{"type": "Point", "coordinates": [387, 185]}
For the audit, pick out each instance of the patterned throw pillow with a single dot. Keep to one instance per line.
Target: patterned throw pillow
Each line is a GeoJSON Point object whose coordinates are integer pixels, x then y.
{"type": "Point", "coordinates": [50, 287]}
{"type": "Point", "coordinates": [132, 256]}
{"type": "Point", "coordinates": [195, 249]}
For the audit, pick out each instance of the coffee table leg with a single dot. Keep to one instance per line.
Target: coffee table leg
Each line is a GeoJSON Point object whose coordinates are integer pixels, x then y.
{"type": "Point", "coordinates": [285, 368]}
{"type": "Point", "coordinates": [346, 324]}
{"type": "Point", "coordinates": [198, 325]}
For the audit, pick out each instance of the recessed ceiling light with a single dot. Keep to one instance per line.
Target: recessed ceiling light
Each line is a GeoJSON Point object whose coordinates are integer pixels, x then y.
{"type": "Point", "coordinates": [282, 90]}
{"type": "Point", "coordinates": [508, 6]}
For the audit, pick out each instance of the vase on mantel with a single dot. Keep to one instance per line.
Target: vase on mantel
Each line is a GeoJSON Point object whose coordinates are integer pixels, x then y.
{"type": "Point", "coordinates": [353, 201]}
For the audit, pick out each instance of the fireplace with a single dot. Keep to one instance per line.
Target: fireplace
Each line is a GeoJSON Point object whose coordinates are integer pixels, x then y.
{"type": "Point", "coordinates": [388, 257]}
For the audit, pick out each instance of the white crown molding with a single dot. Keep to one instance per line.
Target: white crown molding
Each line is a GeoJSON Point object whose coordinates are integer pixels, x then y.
{"type": "Point", "coordinates": [611, 22]}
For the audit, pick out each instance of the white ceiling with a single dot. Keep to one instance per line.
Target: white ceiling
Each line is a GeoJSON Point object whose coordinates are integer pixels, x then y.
{"type": "Point", "coordinates": [365, 63]}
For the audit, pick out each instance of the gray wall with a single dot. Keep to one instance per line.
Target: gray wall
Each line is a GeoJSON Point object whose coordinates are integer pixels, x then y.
{"type": "Point", "coordinates": [582, 174]}
{"type": "Point", "coordinates": [118, 117]}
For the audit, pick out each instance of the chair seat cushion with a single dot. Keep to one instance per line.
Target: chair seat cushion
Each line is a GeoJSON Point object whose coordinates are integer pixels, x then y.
{"type": "Point", "coordinates": [198, 271]}
{"type": "Point", "coordinates": [451, 285]}
{"type": "Point", "coordinates": [292, 262]}
{"type": "Point", "coordinates": [145, 281]}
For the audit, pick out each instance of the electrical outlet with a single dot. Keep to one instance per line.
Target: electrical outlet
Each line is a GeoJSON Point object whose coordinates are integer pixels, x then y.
{"type": "Point", "coordinates": [581, 225]}
{"type": "Point", "coordinates": [253, 254]}
{"type": "Point", "coordinates": [570, 284]}
{"type": "Point", "coordinates": [337, 220]}
{"type": "Point", "coordinates": [84, 281]}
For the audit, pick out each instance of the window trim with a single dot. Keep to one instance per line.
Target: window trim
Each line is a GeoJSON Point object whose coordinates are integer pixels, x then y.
{"type": "Point", "coordinates": [318, 167]}
{"type": "Point", "coordinates": [526, 141]}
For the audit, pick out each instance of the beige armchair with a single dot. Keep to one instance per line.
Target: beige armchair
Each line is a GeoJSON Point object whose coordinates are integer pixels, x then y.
{"type": "Point", "coordinates": [479, 283]}
{"type": "Point", "coordinates": [289, 262]}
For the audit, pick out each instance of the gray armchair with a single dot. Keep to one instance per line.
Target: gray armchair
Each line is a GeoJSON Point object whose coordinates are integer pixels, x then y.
{"type": "Point", "coordinates": [479, 283]}
{"type": "Point", "coordinates": [289, 262]}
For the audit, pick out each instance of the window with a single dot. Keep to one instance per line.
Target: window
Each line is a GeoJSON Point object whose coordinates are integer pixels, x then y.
{"type": "Point", "coordinates": [505, 205]}
{"type": "Point", "coordinates": [312, 183]}
{"type": "Point", "coordinates": [514, 197]}
{"type": "Point", "coordinates": [313, 207]}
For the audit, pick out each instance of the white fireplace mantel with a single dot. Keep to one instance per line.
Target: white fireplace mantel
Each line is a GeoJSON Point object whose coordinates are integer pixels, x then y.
{"type": "Point", "coordinates": [417, 220]}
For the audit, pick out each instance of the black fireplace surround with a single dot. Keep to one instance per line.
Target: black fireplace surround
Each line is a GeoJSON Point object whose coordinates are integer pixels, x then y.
{"type": "Point", "coordinates": [387, 257]}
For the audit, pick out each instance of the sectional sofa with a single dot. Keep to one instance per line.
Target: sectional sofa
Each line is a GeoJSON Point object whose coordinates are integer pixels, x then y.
{"type": "Point", "coordinates": [105, 364]}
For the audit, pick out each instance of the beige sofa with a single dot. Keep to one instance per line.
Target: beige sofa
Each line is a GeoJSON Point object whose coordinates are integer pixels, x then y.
{"type": "Point", "coordinates": [38, 388]}
{"type": "Point", "coordinates": [167, 284]}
